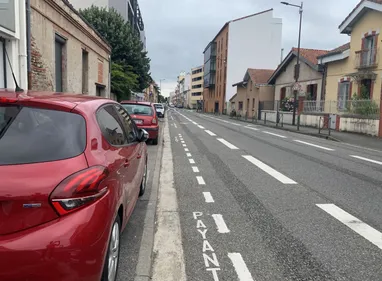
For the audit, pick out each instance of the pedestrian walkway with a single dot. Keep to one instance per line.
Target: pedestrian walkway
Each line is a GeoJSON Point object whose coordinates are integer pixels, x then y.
{"type": "Point", "coordinates": [345, 137]}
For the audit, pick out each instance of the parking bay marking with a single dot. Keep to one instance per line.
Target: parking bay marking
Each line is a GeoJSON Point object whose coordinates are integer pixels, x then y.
{"type": "Point", "coordinates": [208, 197]}
{"type": "Point", "coordinates": [200, 180]}
{"type": "Point", "coordinates": [240, 267]}
{"type": "Point", "coordinates": [188, 154]}
{"type": "Point", "coordinates": [363, 229]}
{"type": "Point", "coordinates": [192, 161]}
{"type": "Point", "coordinates": [220, 223]}
{"type": "Point", "coordinates": [195, 169]}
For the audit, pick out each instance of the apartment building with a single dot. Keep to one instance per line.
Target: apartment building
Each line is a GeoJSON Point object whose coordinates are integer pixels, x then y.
{"type": "Point", "coordinates": [129, 10]}
{"type": "Point", "coordinates": [196, 93]}
{"type": "Point", "coordinates": [251, 41]}
{"type": "Point", "coordinates": [13, 44]}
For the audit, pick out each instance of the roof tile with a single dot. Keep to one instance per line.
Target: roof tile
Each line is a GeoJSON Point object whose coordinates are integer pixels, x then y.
{"type": "Point", "coordinates": [310, 54]}
{"type": "Point", "coordinates": [337, 50]}
{"type": "Point", "coordinates": [260, 76]}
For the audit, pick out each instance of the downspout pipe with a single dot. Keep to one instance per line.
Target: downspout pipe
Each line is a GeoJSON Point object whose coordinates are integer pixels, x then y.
{"type": "Point", "coordinates": [28, 29]}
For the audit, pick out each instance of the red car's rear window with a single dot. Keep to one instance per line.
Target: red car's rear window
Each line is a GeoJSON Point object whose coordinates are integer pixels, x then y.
{"type": "Point", "coordinates": [138, 109]}
{"type": "Point", "coordinates": [34, 135]}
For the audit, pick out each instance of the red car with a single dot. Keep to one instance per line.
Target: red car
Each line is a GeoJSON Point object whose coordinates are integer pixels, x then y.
{"type": "Point", "coordinates": [145, 116]}
{"type": "Point", "coordinates": [71, 170]}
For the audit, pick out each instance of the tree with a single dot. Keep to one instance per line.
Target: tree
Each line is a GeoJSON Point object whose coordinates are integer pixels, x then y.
{"type": "Point", "coordinates": [127, 48]}
{"type": "Point", "coordinates": [123, 81]}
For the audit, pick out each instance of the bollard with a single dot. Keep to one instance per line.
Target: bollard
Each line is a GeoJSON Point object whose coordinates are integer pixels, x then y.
{"type": "Point", "coordinates": [265, 118]}
{"type": "Point", "coordinates": [298, 122]}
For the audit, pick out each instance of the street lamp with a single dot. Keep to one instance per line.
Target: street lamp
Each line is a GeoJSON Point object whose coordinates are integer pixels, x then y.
{"type": "Point", "coordinates": [297, 67]}
{"type": "Point", "coordinates": [160, 84]}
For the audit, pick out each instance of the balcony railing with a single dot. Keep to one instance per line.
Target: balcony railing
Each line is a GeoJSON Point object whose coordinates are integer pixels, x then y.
{"type": "Point", "coordinates": [366, 58]}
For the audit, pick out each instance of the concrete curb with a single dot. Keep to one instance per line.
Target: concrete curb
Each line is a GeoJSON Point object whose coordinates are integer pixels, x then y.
{"type": "Point", "coordinates": [145, 258]}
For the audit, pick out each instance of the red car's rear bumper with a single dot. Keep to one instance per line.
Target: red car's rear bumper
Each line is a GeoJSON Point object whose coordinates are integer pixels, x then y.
{"type": "Point", "coordinates": [153, 131]}
{"type": "Point", "coordinates": [72, 247]}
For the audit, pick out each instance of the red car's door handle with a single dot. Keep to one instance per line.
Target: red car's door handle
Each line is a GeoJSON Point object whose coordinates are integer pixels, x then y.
{"type": "Point", "coordinates": [127, 163]}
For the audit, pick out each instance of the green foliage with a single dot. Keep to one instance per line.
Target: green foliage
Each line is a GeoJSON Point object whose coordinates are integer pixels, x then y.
{"type": "Point", "coordinates": [123, 81]}
{"type": "Point", "coordinates": [362, 104]}
{"type": "Point", "coordinates": [127, 48]}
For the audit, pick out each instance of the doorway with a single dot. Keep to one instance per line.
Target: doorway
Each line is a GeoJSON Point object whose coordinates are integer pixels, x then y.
{"type": "Point", "coordinates": [216, 107]}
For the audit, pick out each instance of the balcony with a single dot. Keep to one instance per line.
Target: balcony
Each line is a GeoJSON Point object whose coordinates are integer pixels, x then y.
{"type": "Point", "coordinates": [366, 58]}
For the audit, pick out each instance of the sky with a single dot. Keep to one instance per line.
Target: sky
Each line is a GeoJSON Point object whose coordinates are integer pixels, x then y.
{"type": "Point", "coordinates": [177, 31]}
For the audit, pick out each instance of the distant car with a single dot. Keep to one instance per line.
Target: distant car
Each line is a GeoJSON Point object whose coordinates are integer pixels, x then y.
{"type": "Point", "coordinates": [71, 169]}
{"type": "Point", "coordinates": [144, 116]}
{"type": "Point", "coordinates": [159, 108]}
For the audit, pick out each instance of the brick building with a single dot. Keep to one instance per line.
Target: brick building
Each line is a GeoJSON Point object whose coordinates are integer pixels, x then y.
{"type": "Point", "coordinates": [67, 54]}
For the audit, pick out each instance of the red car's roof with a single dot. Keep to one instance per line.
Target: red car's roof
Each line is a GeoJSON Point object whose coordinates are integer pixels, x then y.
{"type": "Point", "coordinates": [64, 100]}
{"type": "Point", "coordinates": [137, 102]}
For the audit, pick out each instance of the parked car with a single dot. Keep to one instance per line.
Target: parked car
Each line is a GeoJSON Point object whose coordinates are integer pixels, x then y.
{"type": "Point", "coordinates": [71, 169]}
{"type": "Point", "coordinates": [159, 108]}
{"type": "Point", "coordinates": [145, 116]}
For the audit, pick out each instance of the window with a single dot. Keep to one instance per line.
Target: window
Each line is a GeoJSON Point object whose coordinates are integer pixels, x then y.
{"type": "Point", "coordinates": [196, 79]}
{"type": "Point", "coordinates": [138, 109]}
{"type": "Point", "coordinates": [53, 135]}
{"type": "Point", "coordinates": [343, 94]}
{"type": "Point", "coordinates": [59, 62]}
{"type": "Point", "coordinates": [240, 105]}
{"type": "Point", "coordinates": [196, 86]}
{"type": "Point", "coordinates": [253, 104]}
{"type": "Point", "coordinates": [196, 94]}
{"type": "Point", "coordinates": [85, 71]}
{"type": "Point", "coordinates": [111, 128]}
{"type": "Point", "coordinates": [282, 93]}
{"type": "Point", "coordinates": [128, 124]}
{"type": "Point", "coordinates": [100, 90]}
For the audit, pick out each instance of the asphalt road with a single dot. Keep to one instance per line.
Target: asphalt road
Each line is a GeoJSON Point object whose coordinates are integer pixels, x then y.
{"type": "Point", "coordinates": [132, 236]}
{"type": "Point", "coordinates": [261, 204]}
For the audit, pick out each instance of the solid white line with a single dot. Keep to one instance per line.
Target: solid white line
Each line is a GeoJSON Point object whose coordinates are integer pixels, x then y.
{"type": "Point", "coordinates": [200, 180]}
{"type": "Point", "coordinates": [220, 223]}
{"type": "Point", "coordinates": [314, 145]}
{"type": "Point", "coordinates": [192, 161]}
{"type": "Point", "coordinates": [208, 197]}
{"type": "Point", "coordinates": [210, 133]}
{"type": "Point", "coordinates": [367, 159]}
{"type": "Point", "coordinates": [273, 134]}
{"type": "Point", "coordinates": [201, 127]}
{"type": "Point", "coordinates": [186, 149]}
{"type": "Point", "coordinates": [366, 231]}
{"type": "Point", "coordinates": [228, 144]}
{"type": "Point", "coordinates": [188, 154]}
{"type": "Point", "coordinates": [195, 169]}
{"type": "Point", "coordinates": [269, 170]}
{"type": "Point", "coordinates": [240, 267]}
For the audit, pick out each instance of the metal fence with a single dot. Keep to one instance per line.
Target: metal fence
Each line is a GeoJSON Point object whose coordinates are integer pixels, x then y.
{"type": "Point", "coordinates": [357, 108]}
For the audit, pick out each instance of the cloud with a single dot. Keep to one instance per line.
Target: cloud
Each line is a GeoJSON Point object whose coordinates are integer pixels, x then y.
{"type": "Point", "coordinates": [177, 31]}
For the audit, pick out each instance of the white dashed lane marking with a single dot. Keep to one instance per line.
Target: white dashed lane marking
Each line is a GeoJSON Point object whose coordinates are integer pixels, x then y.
{"type": "Point", "coordinates": [188, 154]}
{"type": "Point", "coordinates": [192, 161]}
{"type": "Point", "coordinates": [269, 170]}
{"type": "Point", "coordinates": [273, 134]}
{"type": "Point", "coordinates": [228, 144]}
{"type": "Point", "coordinates": [195, 169]}
{"type": "Point", "coordinates": [201, 127]}
{"type": "Point", "coordinates": [210, 133]}
{"type": "Point", "coordinates": [208, 197]}
{"type": "Point", "coordinates": [186, 149]}
{"type": "Point", "coordinates": [366, 231]}
{"type": "Point", "coordinates": [200, 180]}
{"type": "Point", "coordinates": [240, 267]}
{"type": "Point", "coordinates": [367, 159]}
{"type": "Point", "coordinates": [220, 223]}
{"type": "Point", "coordinates": [314, 145]}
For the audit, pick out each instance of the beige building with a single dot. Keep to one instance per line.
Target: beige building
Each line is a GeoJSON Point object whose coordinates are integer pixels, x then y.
{"type": "Point", "coordinates": [310, 80]}
{"type": "Point", "coordinates": [150, 93]}
{"type": "Point", "coordinates": [67, 54]}
{"type": "Point", "coordinates": [252, 91]}
{"type": "Point", "coordinates": [196, 93]}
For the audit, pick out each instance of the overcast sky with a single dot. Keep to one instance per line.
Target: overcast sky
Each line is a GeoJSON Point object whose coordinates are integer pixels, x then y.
{"type": "Point", "coordinates": [177, 31]}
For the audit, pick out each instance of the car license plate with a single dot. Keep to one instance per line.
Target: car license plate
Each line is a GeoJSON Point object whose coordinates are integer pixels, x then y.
{"type": "Point", "coordinates": [137, 121]}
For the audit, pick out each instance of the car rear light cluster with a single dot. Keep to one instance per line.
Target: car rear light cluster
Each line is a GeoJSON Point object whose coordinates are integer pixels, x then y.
{"type": "Point", "coordinates": [79, 190]}
{"type": "Point", "coordinates": [154, 121]}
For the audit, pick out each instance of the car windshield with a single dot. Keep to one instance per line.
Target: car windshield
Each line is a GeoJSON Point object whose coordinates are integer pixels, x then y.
{"type": "Point", "coordinates": [158, 106]}
{"type": "Point", "coordinates": [138, 109]}
{"type": "Point", "coordinates": [33, 135]}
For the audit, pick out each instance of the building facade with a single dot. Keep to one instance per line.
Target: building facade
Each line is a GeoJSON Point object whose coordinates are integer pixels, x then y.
{"type": "Point", "coordinates": [128, 9]}
{"type": "Point", "coordinates": [196, 93]}
{"type": "Point", "coordinates": [13, 44]}
{"type": "Point", "coordinates": [67, 54]}
{"type": "Point", "coordinates": [254, 40]}
{"type": "Point", "coordinates": [151, 93]}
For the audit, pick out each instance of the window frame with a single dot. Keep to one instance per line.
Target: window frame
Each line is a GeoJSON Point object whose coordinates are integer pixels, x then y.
{"type": "Point", "coordinates": [342, 106]}
{"type": "Point", "coordinates": [135, 128]}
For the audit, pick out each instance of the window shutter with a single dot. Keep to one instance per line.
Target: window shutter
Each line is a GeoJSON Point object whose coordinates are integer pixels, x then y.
{"type": "Point", "coordinates": [362, 50]}
{"type": "Point", "coordinates": [375, 48]}
{"type": "Point", "coordinates": [339, 95]}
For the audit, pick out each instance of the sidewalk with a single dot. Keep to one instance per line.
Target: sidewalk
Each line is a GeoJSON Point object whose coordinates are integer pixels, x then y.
{"type": "Point", "coordinates": [349, 138]}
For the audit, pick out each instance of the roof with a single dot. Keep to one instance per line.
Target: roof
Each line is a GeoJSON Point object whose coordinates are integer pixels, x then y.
{"type": "Point", "coordinates": [63, 100]}
{"type": "Point", "coordinates": [309, 56]}
{"type": "Point", "coordinates": [228, 22]}
{"type": "Point", "coordinates": [362, 7]}
{"type": "Point", "coordinates": [233, 97]}
{"type": "Point", "coordinates": [336, 51]}
{"type": "Point", "coordinates": [258, 76]}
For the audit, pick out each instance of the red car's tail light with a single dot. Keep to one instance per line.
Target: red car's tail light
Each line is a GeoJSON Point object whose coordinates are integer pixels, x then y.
{"type": "Point", "coordinates": [7, 100]}
{"type": "Point", "coordinates": [154, 121]}
{"type": "Point", "coordinates": [79, 189]}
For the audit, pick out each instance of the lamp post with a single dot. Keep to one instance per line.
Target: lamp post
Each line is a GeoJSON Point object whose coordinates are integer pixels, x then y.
{"type": "Point", "coordinates": [160, 84]}
{"type": "Point", "coordinates": [297, 67]}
